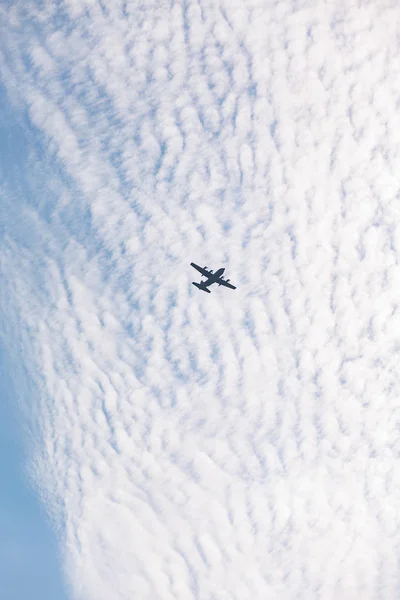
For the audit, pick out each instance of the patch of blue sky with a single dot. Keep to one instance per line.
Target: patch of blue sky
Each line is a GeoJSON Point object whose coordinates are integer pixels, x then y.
{"type": "Point", "coordinates": [29, 556]}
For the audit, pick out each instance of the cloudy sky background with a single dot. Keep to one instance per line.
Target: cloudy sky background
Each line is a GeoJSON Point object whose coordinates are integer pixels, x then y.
{"type": "Point", "coordinates": [189, 446]}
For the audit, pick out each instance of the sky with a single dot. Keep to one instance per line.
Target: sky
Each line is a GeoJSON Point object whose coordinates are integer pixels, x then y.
{"type": "Point", "coordinates": [158, 442]}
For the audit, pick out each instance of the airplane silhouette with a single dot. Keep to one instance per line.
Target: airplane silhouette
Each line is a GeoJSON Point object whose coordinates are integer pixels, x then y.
{"type": "Point", "coordinates": [211, 278]}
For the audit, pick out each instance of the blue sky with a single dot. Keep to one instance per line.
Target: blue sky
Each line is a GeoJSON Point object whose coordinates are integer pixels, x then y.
{"type": "Point", "coordinates": [30, 564]}
{"type": "Point", "coordinates": [241, 444]}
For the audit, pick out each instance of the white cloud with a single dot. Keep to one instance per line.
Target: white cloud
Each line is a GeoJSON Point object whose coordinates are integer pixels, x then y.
{"type": "Point", "coordinates": [240, 444]}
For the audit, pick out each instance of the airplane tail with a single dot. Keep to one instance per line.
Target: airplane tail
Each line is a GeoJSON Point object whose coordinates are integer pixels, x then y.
{"type": "Point", "coordinates": [200, 287]}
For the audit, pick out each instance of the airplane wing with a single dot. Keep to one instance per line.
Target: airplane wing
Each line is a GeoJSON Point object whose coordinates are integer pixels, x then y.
{"type": "Point", "coordinates": [226, 284]}
{"type": "Point", "coordinates": [201, 270]}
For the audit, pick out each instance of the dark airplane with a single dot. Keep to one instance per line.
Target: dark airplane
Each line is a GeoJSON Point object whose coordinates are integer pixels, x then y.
{"type": "Point", "coordinates": [211, 278]}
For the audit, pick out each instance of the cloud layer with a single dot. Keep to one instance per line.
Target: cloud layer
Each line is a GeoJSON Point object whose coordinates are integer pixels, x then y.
{"type": "Point", "coordinates": [243, 444]}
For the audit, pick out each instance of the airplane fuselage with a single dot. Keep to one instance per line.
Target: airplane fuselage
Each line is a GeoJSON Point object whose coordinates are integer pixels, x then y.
{"type": "Point", "coordinates": [213, 277]}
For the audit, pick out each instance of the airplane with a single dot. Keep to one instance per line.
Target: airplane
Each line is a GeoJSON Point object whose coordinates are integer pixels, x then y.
{"type": "Point", "coordinates": [211, 278]}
